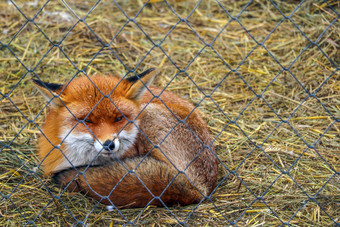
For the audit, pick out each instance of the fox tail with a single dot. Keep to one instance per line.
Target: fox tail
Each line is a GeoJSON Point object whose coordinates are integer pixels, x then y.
{"type": "Point", "coordinates": [137, 183]}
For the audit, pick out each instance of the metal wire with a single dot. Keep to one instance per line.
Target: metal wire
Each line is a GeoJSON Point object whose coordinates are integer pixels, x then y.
{"type": "Point", "coordinates": [206, 96]}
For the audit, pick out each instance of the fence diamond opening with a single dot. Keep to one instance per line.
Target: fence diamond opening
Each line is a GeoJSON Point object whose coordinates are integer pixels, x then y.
{"type": "Point", "coordinates": [265, 74]}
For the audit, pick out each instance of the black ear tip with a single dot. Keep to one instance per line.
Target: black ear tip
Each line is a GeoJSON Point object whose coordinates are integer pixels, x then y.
{"type": "Point", "coordinates": [150, 70]}
{"type": "Point", "coordinates": [50, 86]}
{"type": "Point", "coordinates": [37, 82]}
{"type": "Point", "coordinates": [136, 78]}
{"type": "Point", "coordinates": [146, 72]}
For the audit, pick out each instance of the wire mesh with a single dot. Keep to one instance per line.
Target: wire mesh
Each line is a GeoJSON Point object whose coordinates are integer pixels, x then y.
{"type": "Point", "coordinates": [232, 69]}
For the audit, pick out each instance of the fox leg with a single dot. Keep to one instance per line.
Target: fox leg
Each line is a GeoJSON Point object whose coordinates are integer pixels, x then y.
{"type": "Point", "coordinates": [130, 192]}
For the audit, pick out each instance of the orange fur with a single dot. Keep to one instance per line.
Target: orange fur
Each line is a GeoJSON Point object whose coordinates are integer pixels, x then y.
{"type": "Point", "coordinates": [181, 146]}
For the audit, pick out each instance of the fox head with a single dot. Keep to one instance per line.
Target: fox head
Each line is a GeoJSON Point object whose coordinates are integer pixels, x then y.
{"type": "Point", "coordinates": [90, 119]}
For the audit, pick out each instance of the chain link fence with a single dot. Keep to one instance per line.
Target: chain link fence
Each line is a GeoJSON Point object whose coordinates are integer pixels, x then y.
{"type": "Point", "coordinates": [254, 128]}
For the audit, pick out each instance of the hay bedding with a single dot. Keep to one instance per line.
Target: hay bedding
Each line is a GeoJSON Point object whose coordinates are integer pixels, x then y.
{"type": "Point", "coordinates": [23, 109]}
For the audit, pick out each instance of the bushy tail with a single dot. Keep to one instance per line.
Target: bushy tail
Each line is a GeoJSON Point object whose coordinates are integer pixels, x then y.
{"type": "Point", "coordinates": [130, 192]}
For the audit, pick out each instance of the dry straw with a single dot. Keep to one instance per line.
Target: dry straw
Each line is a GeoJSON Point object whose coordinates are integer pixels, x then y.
{"type": "Point", "coordinates": [232, 94]}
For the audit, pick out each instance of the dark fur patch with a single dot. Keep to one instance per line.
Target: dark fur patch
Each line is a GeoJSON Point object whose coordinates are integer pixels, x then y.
{"type": "Point", "coordinates": [133, 79]}
{"type": "Point", "coordinates": [58, 176]}
{"type": "Point", "coordinates": [50, 86]}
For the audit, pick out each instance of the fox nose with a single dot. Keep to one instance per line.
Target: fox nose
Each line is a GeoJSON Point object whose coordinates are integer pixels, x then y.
{"type": "Point", "coordinates": [109, 145]}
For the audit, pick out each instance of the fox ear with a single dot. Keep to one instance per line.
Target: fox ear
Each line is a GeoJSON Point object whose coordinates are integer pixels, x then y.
{"type": "Point", "coordinates": [49, 91]}
{"type": "Point", "coordinates": [139, 84]}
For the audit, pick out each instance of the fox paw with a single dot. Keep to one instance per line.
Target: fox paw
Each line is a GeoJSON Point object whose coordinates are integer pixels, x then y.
{"type": "Point", "coordinates": [68, 177]}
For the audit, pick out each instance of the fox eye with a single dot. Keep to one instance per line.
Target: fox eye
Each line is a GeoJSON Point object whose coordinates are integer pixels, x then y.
{"type": "Point", "coordinates": [88, 121]}
{"type": "Point", "coordinates": [119, 119]}
{"type": "Point", "coordinates": [85, 120]}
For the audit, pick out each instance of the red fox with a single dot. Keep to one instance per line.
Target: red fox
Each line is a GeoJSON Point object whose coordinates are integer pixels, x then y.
{"type": "Point", "coordinates": [126, 143]}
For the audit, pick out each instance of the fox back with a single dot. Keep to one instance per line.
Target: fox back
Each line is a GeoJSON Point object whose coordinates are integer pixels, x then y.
{"type": "Point", "coordinates": [97, 120]}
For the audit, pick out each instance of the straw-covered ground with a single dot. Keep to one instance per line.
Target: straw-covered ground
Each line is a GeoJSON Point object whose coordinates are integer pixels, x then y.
{"type": "Point", "coordinates": [283, 146]}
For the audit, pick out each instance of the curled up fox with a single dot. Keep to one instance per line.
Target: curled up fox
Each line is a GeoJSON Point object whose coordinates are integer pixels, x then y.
{"type": "Point", "coordinates": [126, 142]}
